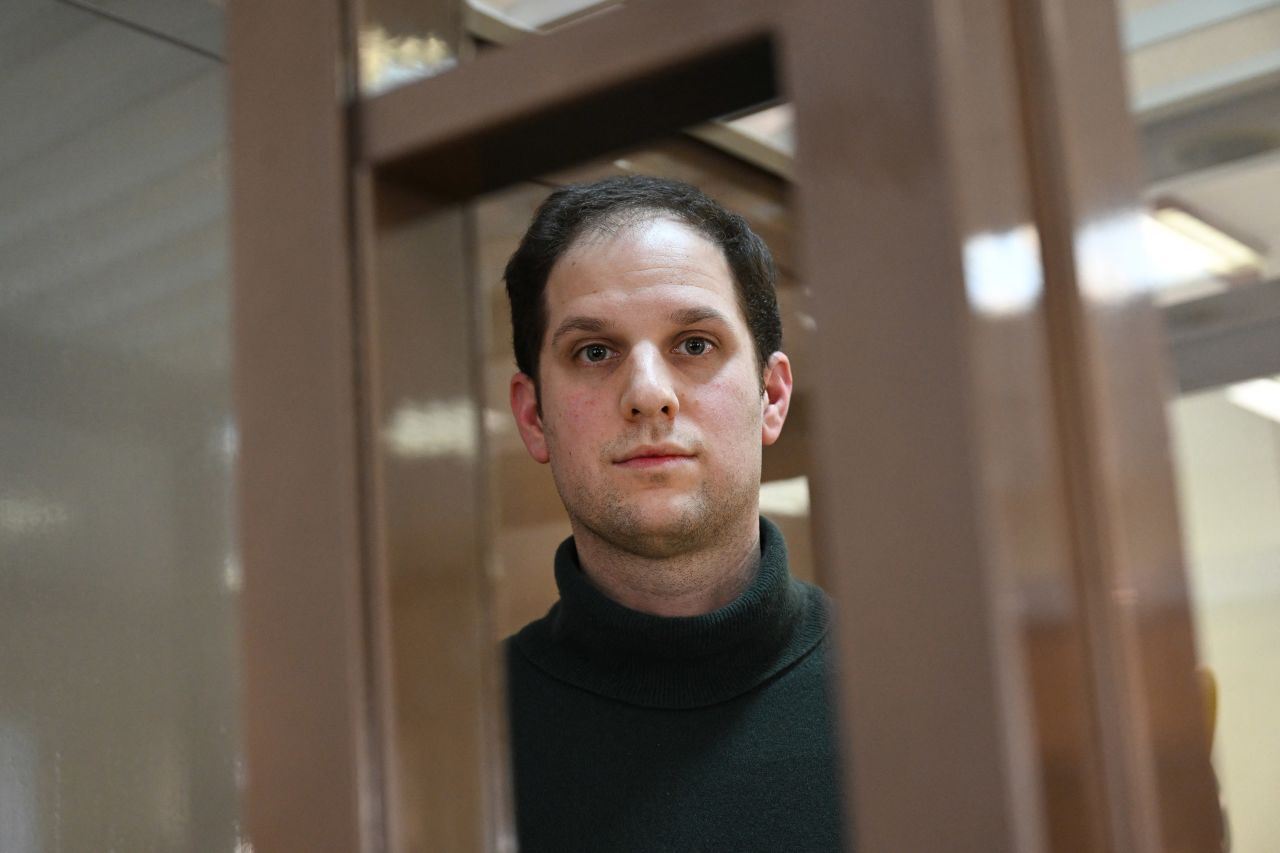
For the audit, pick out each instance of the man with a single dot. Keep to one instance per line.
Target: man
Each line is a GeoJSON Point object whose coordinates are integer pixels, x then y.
{"type": "Point", "coordinates": [676, 697]}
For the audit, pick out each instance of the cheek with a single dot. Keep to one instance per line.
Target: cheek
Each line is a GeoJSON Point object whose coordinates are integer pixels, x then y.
{"type": "Point", "coordinates": [581, 410]}
{"type": "Point", "coordinates": [577, 419]}
{"type": "Point", "coordinates": [731, 402]}
{"type": "Point", "coordinates": [729, 417]}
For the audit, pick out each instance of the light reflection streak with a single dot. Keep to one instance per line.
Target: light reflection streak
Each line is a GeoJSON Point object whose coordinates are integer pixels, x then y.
{"type": "Point", "coordinates": [1002, 271]}
{"type": "Point", "coordinates": [428, 430]}
{"type": "Point", "coordinates": [390, 61]}
{"type": "Point", "coordinates": [232, 574]}
{"type": "Point", "coordinates": [19, 811]}
{"type": "Point", "coordinates": [30, 515]}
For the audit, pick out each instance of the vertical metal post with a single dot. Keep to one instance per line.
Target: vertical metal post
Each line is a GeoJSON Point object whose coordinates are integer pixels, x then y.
{"type": "Point", "coordinates": [308, 730]}
{"type": "Point", "coordinates": [938, 735]}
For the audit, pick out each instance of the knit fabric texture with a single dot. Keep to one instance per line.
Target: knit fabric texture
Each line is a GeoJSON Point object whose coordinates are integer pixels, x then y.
{"type": "Point", "coordinates": [635, 732]}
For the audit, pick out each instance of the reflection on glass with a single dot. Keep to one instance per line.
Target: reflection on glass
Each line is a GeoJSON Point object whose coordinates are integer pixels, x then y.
{"type": "Point", "coordinates": [390, 61]}
{"type": "Point", "coordinates": [400, 43]}
{"type": "Point", "coordinates": [118, 700]}
{"type": "Point", "coordinates": [774, 126]}
{"type": "Point", "coordinates": [1002, 271]}
{"type": "Point", "coordinates": [424, 430]}
{"type": "Point", "coordinates": [1203, 94]}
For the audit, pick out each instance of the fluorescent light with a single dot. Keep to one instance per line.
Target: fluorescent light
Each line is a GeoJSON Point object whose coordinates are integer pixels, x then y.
{"type": "Point", "coordinates": [1260, 396]}
{"type": "Point", "coordinates": [1226, 254]}
{"type": "Point", "coordinates": [1192, 258]}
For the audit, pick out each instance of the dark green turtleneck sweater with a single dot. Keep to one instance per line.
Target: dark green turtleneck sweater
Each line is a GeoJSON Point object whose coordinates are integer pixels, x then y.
{"type": "Point", "coordinates": [634, 732]}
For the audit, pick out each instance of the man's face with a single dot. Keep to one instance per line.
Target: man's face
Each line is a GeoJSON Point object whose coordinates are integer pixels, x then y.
{"type": "Point", "coordinates": [653, 407]}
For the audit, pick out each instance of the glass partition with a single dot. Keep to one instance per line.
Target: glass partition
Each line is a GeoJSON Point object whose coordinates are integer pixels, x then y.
{"type": "Point", "coordinates": [1203, 92]}
{"type": "Point", "coordinates": [118, 569]}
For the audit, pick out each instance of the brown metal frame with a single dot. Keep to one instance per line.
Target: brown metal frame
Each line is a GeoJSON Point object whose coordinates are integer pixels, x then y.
{"type": "Point", "coordinates": [618, 80]}
{"type": "Point", "coordinates": [1001, 626]}
{"type": "Point", "coordinates": [312, 778]}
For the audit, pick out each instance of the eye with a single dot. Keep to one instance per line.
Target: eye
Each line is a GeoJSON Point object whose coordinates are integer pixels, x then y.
{"type": "Point", "coordinates": [695, 346]}
{"type": "Point", "coordinates": [593, 353]}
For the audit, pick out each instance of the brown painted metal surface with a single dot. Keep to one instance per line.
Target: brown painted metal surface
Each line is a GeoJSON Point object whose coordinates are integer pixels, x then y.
{"type": "Point", "coordinates": [936, 714]}
{"type": "Point", "coordinates": [604, 83]}
{"type": "Point", "coordinates": [311, 768]}
{"type": "Point", "coordinates": [431, 518]}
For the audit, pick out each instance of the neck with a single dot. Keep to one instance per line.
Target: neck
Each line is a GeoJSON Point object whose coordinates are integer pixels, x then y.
{"type": "Point", "coordinates": [690, 583]}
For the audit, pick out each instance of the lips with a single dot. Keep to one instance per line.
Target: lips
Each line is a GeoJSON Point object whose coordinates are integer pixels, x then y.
{"type": "Point", "coordinates": [648, 457]}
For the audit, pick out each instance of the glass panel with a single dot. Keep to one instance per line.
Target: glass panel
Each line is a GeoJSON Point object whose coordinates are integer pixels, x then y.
{"type": "Point", "coordinates": [118, 574]}
{"type": "Point", "coordinates": [1202, 88]}
{"type": "Point", "coordinates": [194, 24]}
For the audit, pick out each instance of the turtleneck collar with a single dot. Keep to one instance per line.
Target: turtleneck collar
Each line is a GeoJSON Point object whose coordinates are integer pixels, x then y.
{"type": "Point", "coordinates": [594, 643]}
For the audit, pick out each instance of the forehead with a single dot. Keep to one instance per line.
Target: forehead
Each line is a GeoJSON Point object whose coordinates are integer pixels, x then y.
{"type": "Point", "coordinates": [657, 260]}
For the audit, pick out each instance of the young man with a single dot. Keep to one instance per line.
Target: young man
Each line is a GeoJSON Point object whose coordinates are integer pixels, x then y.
{"type": "Point", "coordinates": [676, 697]}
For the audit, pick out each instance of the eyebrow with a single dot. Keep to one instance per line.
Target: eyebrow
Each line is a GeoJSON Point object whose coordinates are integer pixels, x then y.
{"type": "Point", "coordinates": [693, 316]}
{"type": "Point", "coordinates": [579, 324]}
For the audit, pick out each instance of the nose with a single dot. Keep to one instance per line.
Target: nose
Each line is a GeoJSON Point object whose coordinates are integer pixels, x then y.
{"type": "Point", "coordinates": [650, 391]}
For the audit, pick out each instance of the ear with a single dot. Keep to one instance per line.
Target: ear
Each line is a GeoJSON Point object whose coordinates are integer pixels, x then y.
{"type": "Point", "coordinates": [524, 406]}
{"type": "Point", "coordinates": [777, 397]}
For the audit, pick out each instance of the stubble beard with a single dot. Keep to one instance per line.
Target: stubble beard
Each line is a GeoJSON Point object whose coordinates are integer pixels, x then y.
{"type": "Point", "coordinates": [701, 520]}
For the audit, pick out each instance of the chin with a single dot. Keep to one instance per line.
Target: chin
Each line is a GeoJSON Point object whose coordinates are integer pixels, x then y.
{"type": "Point", "coordinates": [658, 529]}
{"type": "Point", "coordinates": [659, 514]}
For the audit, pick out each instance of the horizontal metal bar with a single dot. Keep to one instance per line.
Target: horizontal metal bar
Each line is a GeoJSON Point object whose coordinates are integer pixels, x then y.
{"type": "Point", "coordinates": [657, 67]}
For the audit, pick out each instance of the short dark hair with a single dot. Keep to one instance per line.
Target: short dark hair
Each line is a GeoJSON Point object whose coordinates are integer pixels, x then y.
{"type": "Point", "coordinates": [572, 211]}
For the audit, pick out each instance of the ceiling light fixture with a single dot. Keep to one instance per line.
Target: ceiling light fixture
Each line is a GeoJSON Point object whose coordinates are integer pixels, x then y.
{"type": "Point", "coordinates": [1260, 396]}
{"type": "Point", "coordinates": [1192, 257]}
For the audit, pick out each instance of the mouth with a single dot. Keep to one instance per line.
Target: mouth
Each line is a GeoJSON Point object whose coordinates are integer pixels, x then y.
{"type": "Point", "coordinates": [654, 457]}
